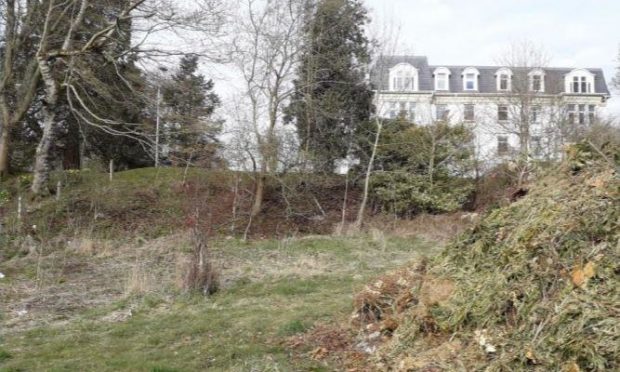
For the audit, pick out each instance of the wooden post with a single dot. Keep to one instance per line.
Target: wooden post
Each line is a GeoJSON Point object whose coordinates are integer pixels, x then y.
{"type": "Point", "coordinates": [111, 169]}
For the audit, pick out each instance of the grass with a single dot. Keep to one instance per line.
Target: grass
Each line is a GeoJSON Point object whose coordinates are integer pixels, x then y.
{"type": "Point", "coordinates": [153, 202]}
{"type": "Point", "coordinates": [273, 289]}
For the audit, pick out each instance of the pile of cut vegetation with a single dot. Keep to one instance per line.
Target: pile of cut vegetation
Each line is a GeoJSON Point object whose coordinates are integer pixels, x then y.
{"type": "Point", "coordinates": [533, 286]}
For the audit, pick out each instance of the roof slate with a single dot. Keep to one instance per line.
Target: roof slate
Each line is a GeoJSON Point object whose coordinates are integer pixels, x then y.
{"type": "Point", "coordinates": [554, 76]}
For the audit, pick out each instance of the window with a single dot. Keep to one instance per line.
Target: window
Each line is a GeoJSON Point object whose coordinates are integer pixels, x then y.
{"type": "Point", "coordinates": [503, 82]}
{"type": "Point", "coordinates": [402, 108]}
{"type": "Point", "coordinates": [412, 111]}
{"type": "Point", "coordinates": [470, 81]}
{"type": "Point", "coordinates": [503, 77]}
{"type": "Point", "coordinates": [441, 81]}
{"type": "Point", "coordinates": [442, 78]}
{"type": "Point", "coordinates": [403, 81]}
{"type": "Point", "coordinates": [537, 80]}
{"type": "Point", "coordinates": [584, 85]}
{"type": "Point", "coordinates": [536, 145]}
{"type": "Point", "coordinates": [441, 112]}
{"type": "Point", "coordinates": [502, 145]}
{"type": "Point", "coordinates": [470, 78]}
{"type": "Point", "coordinates": [502, 113]}
{"type": "Point", "coordinates": [535, 114]}
{"type": "Point", "coordinates": [572, 113]}
{"type": "Point", "coordinates": [582, 114]}
{"type": "Point", "coordinates": [398, 109]}
{"type": "Point", "coordinates": [536, 83]}
{"type": "Point", "coordinates": [403, 77]}
{"type": "Point", "coordinates": [591, 114]}
{"type": "Point", "coordinates": [468, 112]}
{"type": "Point", "coordinates": [580, 81]}
{"type": "Point", "coordinates": [392, 110]}
{"type": "Point", "coordinates": [581, 85]}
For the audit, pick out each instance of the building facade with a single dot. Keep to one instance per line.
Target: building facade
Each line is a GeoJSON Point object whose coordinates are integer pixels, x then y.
{"type": "Point", "coordinates": [511, 109]}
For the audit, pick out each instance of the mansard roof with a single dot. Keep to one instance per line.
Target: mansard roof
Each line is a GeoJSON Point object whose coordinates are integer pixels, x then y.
{"type": "Point", "coordinates": [554, 76]}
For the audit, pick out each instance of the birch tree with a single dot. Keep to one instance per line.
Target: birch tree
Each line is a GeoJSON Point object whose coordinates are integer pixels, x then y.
{"type": "Point", "coordinates": [384, 45]}
{"type": "Point", "coordinates": [56, 56]}
{"type": "Point", "coordinates": [19, 71]}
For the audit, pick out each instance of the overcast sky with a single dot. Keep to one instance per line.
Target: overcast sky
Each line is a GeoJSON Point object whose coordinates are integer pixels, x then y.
{"type": "Point", "coordinates": [574, 33]}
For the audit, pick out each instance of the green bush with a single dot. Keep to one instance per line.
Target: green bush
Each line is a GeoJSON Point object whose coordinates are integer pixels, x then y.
{"type": "Point", "coordinates": [408, 194]}
{"type": "Point", "coordinates": [423, 168]}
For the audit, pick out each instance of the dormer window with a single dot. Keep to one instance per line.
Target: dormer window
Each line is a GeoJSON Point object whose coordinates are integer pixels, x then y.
{"type": "Point", "coordinates": [536, 83]}
{"type": "Point", "coordinates": [504, 80]}
{"type": "Point", "coordinates": [579, 81]}
{"type": "Point", "coordinates": [403, 78]}
{"type": "Point", "coordinates": [581, 85]}
{"type": "Point", "coordinates": [442, 78]}
{"type": "Point", "coordinates": [504, 77]}
{"type": "Point", "coordinates": [470, 79]}
{"type": "Point", "coordinates": [537, 80]}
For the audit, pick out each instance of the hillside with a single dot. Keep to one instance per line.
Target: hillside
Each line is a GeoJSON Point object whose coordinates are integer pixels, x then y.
{"type": "Point", "coordinates": [153, 202]}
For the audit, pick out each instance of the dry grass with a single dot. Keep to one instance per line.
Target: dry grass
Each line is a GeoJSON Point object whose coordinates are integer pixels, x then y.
{"type": "Point", "coordinates": [271, 290]}
{"type": "Point", "coordinates": [140, 281]}
{"type": "Point", "coordinates": [201, 275]}
{"type": "Point", "coordinates": [434, 228]}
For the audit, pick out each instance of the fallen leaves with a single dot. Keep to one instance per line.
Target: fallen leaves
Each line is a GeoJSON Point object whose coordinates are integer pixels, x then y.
{"type": "Point", "coordinates": [572, 367]}
{"type": "Point", "coordinates": [581, 275]}
{"type": "Point", "coordinates": [319, 353]}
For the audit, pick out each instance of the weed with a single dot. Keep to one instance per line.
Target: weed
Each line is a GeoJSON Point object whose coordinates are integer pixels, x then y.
{"type": "Point", "coordinates": [293, 327]}
{"type": "Point", "coordinates": [4, 355]}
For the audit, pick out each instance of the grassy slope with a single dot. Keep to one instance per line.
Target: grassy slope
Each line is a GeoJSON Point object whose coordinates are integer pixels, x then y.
{"type": "Point", "coordinates": [153, 202]}
{"type": "Point", "coordinates": [275, 289]}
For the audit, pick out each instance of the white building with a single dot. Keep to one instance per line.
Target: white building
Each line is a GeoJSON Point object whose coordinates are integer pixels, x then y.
{"type": "Point", "coordinates": [494, 100]}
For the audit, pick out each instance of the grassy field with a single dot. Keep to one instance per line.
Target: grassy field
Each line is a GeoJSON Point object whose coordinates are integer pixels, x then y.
{"type": "Point", "coordinates": [271, 290]}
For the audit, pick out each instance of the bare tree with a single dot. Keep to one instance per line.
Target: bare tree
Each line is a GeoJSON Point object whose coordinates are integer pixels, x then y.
{"type": "Point", "coordinates": [520, 106]}
{"type": "Point", "coordinates": [266, 51]}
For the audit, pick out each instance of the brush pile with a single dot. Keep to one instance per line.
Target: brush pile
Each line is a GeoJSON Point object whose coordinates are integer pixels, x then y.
{"type": "Point", "coordinates": [533, 286]}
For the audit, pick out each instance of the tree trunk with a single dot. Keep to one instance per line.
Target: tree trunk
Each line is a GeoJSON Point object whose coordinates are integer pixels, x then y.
{"type": "Point", "coordinates": [4, 150]}
{"type": "Point", "coordinates": [42, 156]}
{"type": "Point", "coordinates": [42, 163]}
{"type": "Point", "coordinates": [360, 213]}
{"type": "Point", "coordinates": [259, 194]}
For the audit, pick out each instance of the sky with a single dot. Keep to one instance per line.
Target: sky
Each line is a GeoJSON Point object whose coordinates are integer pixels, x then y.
{"type": "Point", "coordinates": [573, 33]}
